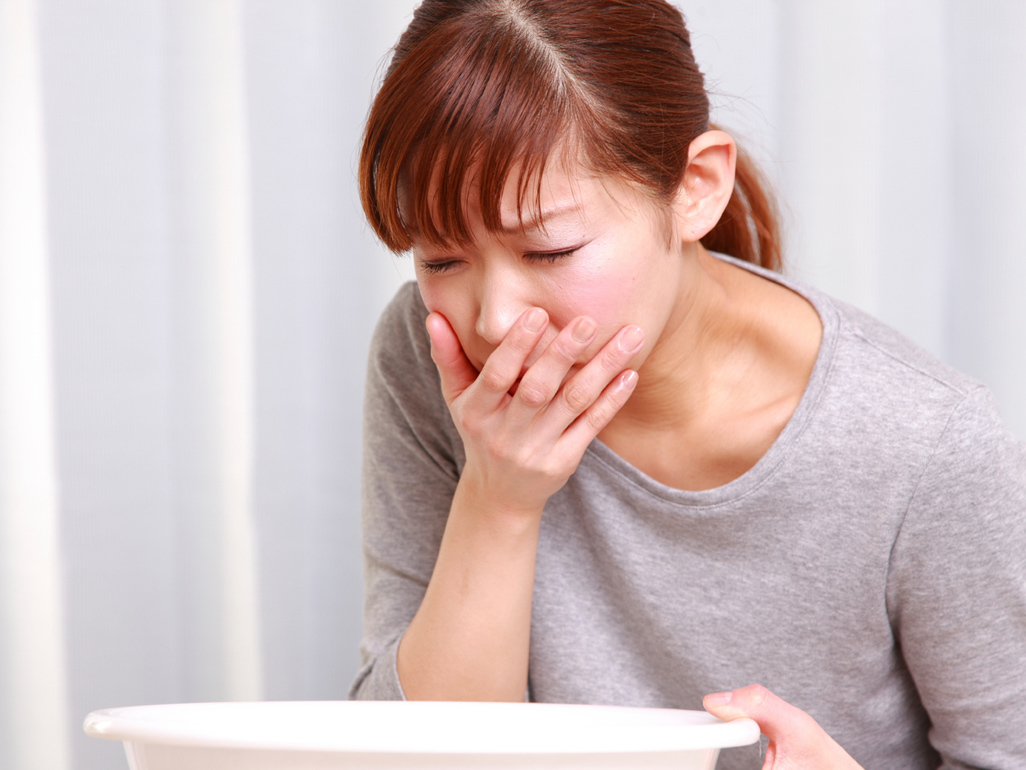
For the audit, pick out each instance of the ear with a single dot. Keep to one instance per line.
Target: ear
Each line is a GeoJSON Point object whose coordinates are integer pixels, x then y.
{"type": "Point", "coordinates": [707, 185]}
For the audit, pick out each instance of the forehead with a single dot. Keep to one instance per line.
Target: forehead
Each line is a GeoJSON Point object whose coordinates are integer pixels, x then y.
{"type": "Point", "coordinates": [561, 193]}
{"type": "Point", "coordinates": [455, 205]}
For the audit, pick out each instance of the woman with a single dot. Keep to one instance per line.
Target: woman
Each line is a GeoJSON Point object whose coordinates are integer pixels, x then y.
{"type": "Point", "coordinates": [742, 480]}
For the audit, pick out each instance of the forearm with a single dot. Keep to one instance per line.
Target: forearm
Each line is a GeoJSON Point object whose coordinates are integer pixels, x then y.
{"type": "Point", "coordinates": [470, 638]}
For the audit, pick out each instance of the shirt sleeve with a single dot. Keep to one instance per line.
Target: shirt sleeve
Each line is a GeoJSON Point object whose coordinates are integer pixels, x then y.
{"type": "Point", "coordinates": [411, 461]}
{"type": "Point", "coordinates": [957, 590]}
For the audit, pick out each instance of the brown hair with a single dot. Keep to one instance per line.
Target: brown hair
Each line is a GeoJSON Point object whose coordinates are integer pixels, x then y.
{"type": "Point", "coordinates": [479, 88]}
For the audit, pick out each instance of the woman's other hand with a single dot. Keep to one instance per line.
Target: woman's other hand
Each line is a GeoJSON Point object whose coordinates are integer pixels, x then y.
{"type": "Point", "coordinates": [796, 741]}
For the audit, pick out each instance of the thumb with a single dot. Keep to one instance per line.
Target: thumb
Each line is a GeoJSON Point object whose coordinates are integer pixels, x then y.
{"type": "Point", "coordinates": [795, 739]}
{"type": "Point", "coordinates": [773, 714]}
{"type": "Point", "coordinates": [455, 370]}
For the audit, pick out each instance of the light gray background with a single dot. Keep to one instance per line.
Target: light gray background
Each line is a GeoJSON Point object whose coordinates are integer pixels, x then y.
{"type": "Point", "coordinates": [187, 288]}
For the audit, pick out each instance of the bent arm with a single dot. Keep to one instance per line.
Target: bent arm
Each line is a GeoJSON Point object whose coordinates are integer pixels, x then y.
{"type": "Point", "coordinates": [470, 637]}
{"type": "Point", "coordinates": [412, 457]}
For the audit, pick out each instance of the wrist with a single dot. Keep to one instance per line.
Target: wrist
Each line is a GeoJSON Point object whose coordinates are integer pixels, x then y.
{"type": "Point", "coordinates": [508, 514]}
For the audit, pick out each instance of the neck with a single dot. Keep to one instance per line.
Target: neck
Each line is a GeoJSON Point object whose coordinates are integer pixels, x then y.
{"type": "Point", "coordinates": [702, 355]}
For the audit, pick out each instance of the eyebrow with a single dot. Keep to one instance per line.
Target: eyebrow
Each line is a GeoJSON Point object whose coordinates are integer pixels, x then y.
{"type": "Point", "coordinates": [536, 223]}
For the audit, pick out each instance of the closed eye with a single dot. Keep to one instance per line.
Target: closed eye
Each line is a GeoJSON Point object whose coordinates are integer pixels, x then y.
{"type": "Point", "coordinates": [440, 266]}
{"type": "Point", "coordinates": [550, 256]}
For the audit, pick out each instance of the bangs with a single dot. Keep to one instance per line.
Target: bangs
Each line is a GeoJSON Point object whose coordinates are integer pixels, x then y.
{"type": "Point", "coordinates": [482, 93]}
{"type": "Point", "coordinates": [477, 101]}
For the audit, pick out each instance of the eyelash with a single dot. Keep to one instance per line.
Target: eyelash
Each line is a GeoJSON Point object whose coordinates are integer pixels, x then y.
{"type": "Point", "coordinates": [436, 267]}
{"type": "Point", "coordinates": [548, 257]}
{"type": "Point", "coordinates": [551, 257]}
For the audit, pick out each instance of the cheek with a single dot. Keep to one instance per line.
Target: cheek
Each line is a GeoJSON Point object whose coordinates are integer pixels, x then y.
{"type": "Point", "coordinates": [605, 304]}
{"type": "Point", "coordinates": [446, 303]}
{"type": "Point", "coordinates": [433, 292]}
{"type": "Point", "coordinates": [440, 297]}
{"type": "Point", "coordinates": [603, 296]}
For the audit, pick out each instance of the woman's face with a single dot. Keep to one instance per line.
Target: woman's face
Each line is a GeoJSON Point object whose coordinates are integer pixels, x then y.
{"type": "Point", "coordinates": [603, 253]}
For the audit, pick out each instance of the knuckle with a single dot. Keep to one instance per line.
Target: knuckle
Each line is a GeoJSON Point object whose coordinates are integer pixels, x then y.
{"type": "Point", "coordinates": [520, 339]}
{"type": "Point", "coordinates": [554, 479]}
{"type": "Point", "coordinates": [565, 350]}
{"type": "Point", "coordinates": [756, 694]}
{"type": "Point", "coordinates": [467, 423]}
{"type": "Point", "coordinates": [492, 378]}
{"type": "Point", "coordinates": [612, 358]}
{"type": "Point", "coordinates": [555, 471]}
{"type": "Point", "coordinates": [494, 448]}
{"type": "Point", "coordinates": [599, 416]}
{"type": "Point", "coordinates": [576, 396]}
{"type": "Point", "coordinates": [532, 394]}
{"type": "Point", "coordinates": [516, 340]}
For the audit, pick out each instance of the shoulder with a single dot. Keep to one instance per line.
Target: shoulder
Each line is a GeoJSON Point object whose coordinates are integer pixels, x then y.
{"type": "Point", "coordinates": [873, 341]}
{"type": "Point", "coordinates": [914, 391]}
{"type": "Point", "coordinates": [880, 397]}
{"type": "Point", "coordinates": [871, 384]}
{"type": "Point", "coordinates": [399, 336]}
{"type": "Point", "coordinates": [851, 333]}
{"type": "Point", "coordinates": [969, 468]}
{"type": "Point", "coordinates": [403, 403]}
{"type": "Point", "coordinates": [975, 481]}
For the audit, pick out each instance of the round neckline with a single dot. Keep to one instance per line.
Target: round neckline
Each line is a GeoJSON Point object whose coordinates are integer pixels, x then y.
{"type": "Point", "coordinates": [759, 473]}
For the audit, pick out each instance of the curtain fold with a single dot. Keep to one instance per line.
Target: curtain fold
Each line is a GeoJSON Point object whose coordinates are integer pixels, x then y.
{"type": "Point", "coordinates": [33, 688]}
{"type": "Point", "coordinates": [212, 348]}
{"type": "Point", "coordinates": [187, 291]}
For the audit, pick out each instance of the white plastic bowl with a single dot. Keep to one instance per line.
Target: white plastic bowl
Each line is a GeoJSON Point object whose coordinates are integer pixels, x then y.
{"type": "Point", "coordinates": [330, 735]}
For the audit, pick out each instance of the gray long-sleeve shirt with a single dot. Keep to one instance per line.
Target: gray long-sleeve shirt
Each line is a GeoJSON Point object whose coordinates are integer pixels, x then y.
{"type": "Point", "coordinates": [870, 569]}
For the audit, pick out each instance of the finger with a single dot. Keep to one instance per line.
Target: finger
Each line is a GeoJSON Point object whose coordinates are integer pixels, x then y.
{"type": "Point", "coordinates": [598, 415]}
{"type": "Point", "coordinates": [795, 738]}
{"type": "Point", "coordinates": [778, 719]}
{"type": "Point", "coordinates": [542, 381]}
{"type": "Point", "coordinates": [583, 390]}
{"type": "Point", "coordinates": [506, 362]}
{"type": "Point", "coordinates": [454, 368]}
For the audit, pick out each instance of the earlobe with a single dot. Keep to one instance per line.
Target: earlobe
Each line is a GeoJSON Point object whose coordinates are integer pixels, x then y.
{"type": "Point", "coordinates": [707, 186]}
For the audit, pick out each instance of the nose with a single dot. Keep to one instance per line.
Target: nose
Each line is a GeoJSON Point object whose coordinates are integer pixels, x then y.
{"type": "Point", "coordinates": [501, 301]}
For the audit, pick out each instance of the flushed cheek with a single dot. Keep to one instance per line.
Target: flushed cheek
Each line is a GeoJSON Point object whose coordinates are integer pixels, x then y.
{"type": "Point", "coordinates": [605, 303]}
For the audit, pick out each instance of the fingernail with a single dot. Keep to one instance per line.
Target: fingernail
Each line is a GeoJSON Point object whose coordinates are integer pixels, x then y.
{"type": "Point", "coordinates": [628, 380]}
{"type": "Point", "coordinates": [631, 339]}
{"type": "Point", "coordinates": [584, 330]}
{"type": "Point", "coordinates": [536, 320]}
{"type": "Point", "coordinates": [717, 699]}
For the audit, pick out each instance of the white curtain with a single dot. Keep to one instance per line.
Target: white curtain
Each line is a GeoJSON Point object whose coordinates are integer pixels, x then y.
{"type": "Point", "coordinates": [893, 130]}
{"type": "Point", "coordinates": [187, 290]}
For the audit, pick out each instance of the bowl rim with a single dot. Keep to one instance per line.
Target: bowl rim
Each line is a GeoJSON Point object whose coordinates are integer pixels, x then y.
{"type": "Point", "coordinates": [672, 730]}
